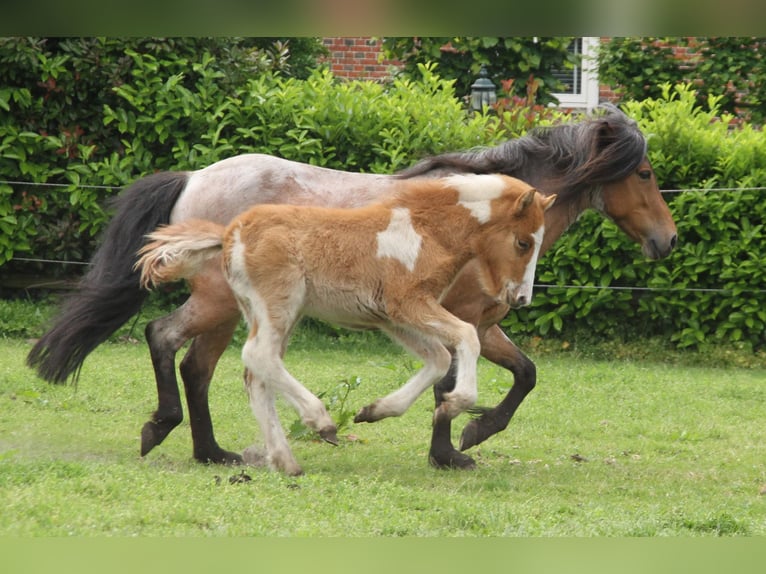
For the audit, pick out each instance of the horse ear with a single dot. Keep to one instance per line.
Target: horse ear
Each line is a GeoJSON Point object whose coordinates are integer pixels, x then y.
{"type": "Point", "coordinates": [548, 201]}
{"type": "Point", "coordinates": [606, 134]}
{"type": "Point", "coordinates": [525, 200]}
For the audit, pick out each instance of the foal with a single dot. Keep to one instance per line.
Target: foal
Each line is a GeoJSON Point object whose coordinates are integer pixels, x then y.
{"type": "Point", "coordinates": [383, 266]}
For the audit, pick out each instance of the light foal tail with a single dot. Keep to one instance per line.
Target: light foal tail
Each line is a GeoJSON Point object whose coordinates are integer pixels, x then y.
{"type": "Point", "coordinates": [178, 251]}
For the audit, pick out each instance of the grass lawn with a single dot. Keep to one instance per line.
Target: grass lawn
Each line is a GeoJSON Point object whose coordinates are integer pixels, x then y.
{"type": "Point", "coordinates": [608, 444]}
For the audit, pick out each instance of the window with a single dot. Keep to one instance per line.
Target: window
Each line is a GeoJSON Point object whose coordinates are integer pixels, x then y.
{"type": "Point", "coordinates": [581, 82]}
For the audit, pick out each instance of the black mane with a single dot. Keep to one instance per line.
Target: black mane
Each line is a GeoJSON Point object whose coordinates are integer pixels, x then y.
{"type": "Point", "coordinates": [605, 146]}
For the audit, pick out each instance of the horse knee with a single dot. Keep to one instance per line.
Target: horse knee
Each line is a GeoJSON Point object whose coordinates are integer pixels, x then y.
{"type": "Point", "coordinates": [252, 355]}
{"type": "Point", "coordinates": [525, 374]}
{"type": "Point", "coordinates": [151, 333]}
{"type": "Point", "coordinates": [192, 370]}
{"type": "Point", "coordinates": [162, 337]}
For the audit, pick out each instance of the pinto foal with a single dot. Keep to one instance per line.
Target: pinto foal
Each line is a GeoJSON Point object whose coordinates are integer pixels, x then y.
{"type": "Point", "coordinates": [383, 266]}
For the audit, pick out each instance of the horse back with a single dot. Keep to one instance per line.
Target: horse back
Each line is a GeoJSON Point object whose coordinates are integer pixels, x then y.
{"type": "Point", "coordinates": [229, 187]}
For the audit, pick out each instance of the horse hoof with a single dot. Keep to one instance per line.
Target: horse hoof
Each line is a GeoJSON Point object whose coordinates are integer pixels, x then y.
{"type": "Point", "coordinates": [470, 435]}
{"type": "Point", "coordinates": [290, 468]}
{"type": "Point", "coordinates": [365, 415]}
{"type": "Point", "coordinates": [219, 456]}
{"type": "Point", "coordinates": [152, 434]}
{"type": "Point", "coordinates": [329, 434]}
{"type": "Point", "coordinates": [451, 460]}
{"type": "Point", "coordinates": [255, 456]}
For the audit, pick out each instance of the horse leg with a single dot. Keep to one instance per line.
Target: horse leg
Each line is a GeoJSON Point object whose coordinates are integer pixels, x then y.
{"type": "Point", "coordinates": [436, 361]}
{"type": "Point", "coordinates": [164, 341]}
{"type": "Point", "coordinates": [465, 301]}
{"type": "Point", "coordinates": [499, 349]}
{"type": "Point", "coordinates": [264, 349]}
{"type": "Point", "coordinates": [262, 402]}
{"type": "Point", "coordinates": [437, 332]}
{"type": "Point", "coordinates": [442, 453]}
{"type": "Point", "coordinates": [312, 411]}
{"type": "Point", "coordinates": [197, 369]}
{"type": "Point", "coordinates": [210, 306]}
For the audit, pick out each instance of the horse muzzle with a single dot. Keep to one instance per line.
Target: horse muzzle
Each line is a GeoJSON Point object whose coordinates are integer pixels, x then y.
{"type": "Point", "coordinates": [655, 248]}
{"type": "Point", "coordinates": [517, 297]}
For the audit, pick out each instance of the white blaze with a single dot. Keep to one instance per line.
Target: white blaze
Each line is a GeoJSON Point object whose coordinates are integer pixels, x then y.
{"type": "Point", "coordinates": [400, 240]}
{"type": "Point", "coordinates": [525, 289]}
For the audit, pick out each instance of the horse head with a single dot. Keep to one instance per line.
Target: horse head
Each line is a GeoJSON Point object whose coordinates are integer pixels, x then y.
{"type": "Point", "coordinates": [509, 248]}
{"type": "Point", "coordinates": [636, 206]}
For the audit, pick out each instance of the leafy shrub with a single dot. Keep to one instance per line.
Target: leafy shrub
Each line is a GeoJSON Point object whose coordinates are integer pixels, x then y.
{"type": "Point", "coordinates": [18, 318]}
{"type": "Point", "coordinates": [53, 129]}
{"type": "Point", "coordinates": [356, 126]}
{"type": "Point", "coordinates": [519, 114]}
{"type": "Point", "coordinates": [731, 68]}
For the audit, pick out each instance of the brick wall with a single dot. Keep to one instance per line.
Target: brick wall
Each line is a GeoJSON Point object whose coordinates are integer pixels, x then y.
{"type": "Point", "coordinates": [357, 58]}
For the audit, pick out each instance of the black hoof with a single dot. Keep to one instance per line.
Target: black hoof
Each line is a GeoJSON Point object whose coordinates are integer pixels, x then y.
{"type": "Point", "coordinates": [329, 434]}
{"type": "Point", "coordinates": [152, 434]}
{"type": "Point", "coordinates": [473, 434]}
{"type": "Point", "coordinates": [218, 456]}
{"type": "Point", "coordinates": [469, 435]}
{"type": "Point", "coordinates": [453, 459]}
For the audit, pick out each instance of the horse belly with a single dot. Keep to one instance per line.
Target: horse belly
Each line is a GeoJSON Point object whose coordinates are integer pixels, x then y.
{"type": "Point", "coordinates": [347, 308]}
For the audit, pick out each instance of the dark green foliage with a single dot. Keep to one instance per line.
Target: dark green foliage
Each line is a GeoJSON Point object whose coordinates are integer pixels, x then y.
{"type": "Point", "coordinates": [79, 111]}
{"type": "Point", "coordinates": [731, 68]}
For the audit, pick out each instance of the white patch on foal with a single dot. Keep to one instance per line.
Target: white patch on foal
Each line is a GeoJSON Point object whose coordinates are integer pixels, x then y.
{"type": "Point", "coordinates": [400, 240]}
{"type": "Point", "coordinates": [238, 277]}
{"type": "Point", "coordinates": [476, 191]}
{"type": "Point", "coordinates": [237, 268]}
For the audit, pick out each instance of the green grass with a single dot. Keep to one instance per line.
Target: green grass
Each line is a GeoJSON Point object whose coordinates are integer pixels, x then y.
{"type": "Point", "coordinates": [610, 443]}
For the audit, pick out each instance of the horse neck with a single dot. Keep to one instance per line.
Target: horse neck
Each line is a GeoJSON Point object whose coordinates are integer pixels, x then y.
{"type": "Point", "coordinates": [567, 208]}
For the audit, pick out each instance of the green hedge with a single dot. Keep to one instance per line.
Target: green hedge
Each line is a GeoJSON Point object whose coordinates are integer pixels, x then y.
{"type": "Point", "coordinates": [179, 113]}
{"type": "Point", "coordinates": [160, 121]}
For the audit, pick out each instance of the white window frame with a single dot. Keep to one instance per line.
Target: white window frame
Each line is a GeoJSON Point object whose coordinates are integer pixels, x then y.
{"type": "Point", "coordinates": [588, 98]}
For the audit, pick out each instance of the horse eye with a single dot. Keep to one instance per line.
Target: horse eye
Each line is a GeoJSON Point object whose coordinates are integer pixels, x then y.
{"type": "Point", "coordinates": [523, 245]}
{"type": "Point", "coordinates": [645, 174]}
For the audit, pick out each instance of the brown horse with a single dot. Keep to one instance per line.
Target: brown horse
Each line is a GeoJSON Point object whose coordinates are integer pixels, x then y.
{"type": "Point", "coordinates": [597, 163]}
{"type": "Point", "coordinates": [383, 266]}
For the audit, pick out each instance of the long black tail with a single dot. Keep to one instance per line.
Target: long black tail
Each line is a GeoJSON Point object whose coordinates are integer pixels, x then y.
{"type": "Point", "coordinates": [109, 294]}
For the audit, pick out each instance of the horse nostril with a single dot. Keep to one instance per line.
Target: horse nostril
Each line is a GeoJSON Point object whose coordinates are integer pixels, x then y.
{"type": "Point", "coordinates": [673, 241]}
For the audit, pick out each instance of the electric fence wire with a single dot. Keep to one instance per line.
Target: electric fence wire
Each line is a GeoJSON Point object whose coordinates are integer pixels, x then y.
{"type": "Point", "coordinates": [537, 285]}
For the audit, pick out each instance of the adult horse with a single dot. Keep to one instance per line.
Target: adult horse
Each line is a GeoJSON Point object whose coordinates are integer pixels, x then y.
{"type": "Point", "coordinates": [382, 266]}
{"type": "Point", "coordinates": [597, 163]}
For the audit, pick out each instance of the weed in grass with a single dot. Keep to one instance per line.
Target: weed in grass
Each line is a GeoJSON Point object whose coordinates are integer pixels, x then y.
{"type": "Point", "coordinates": [336, 401]}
